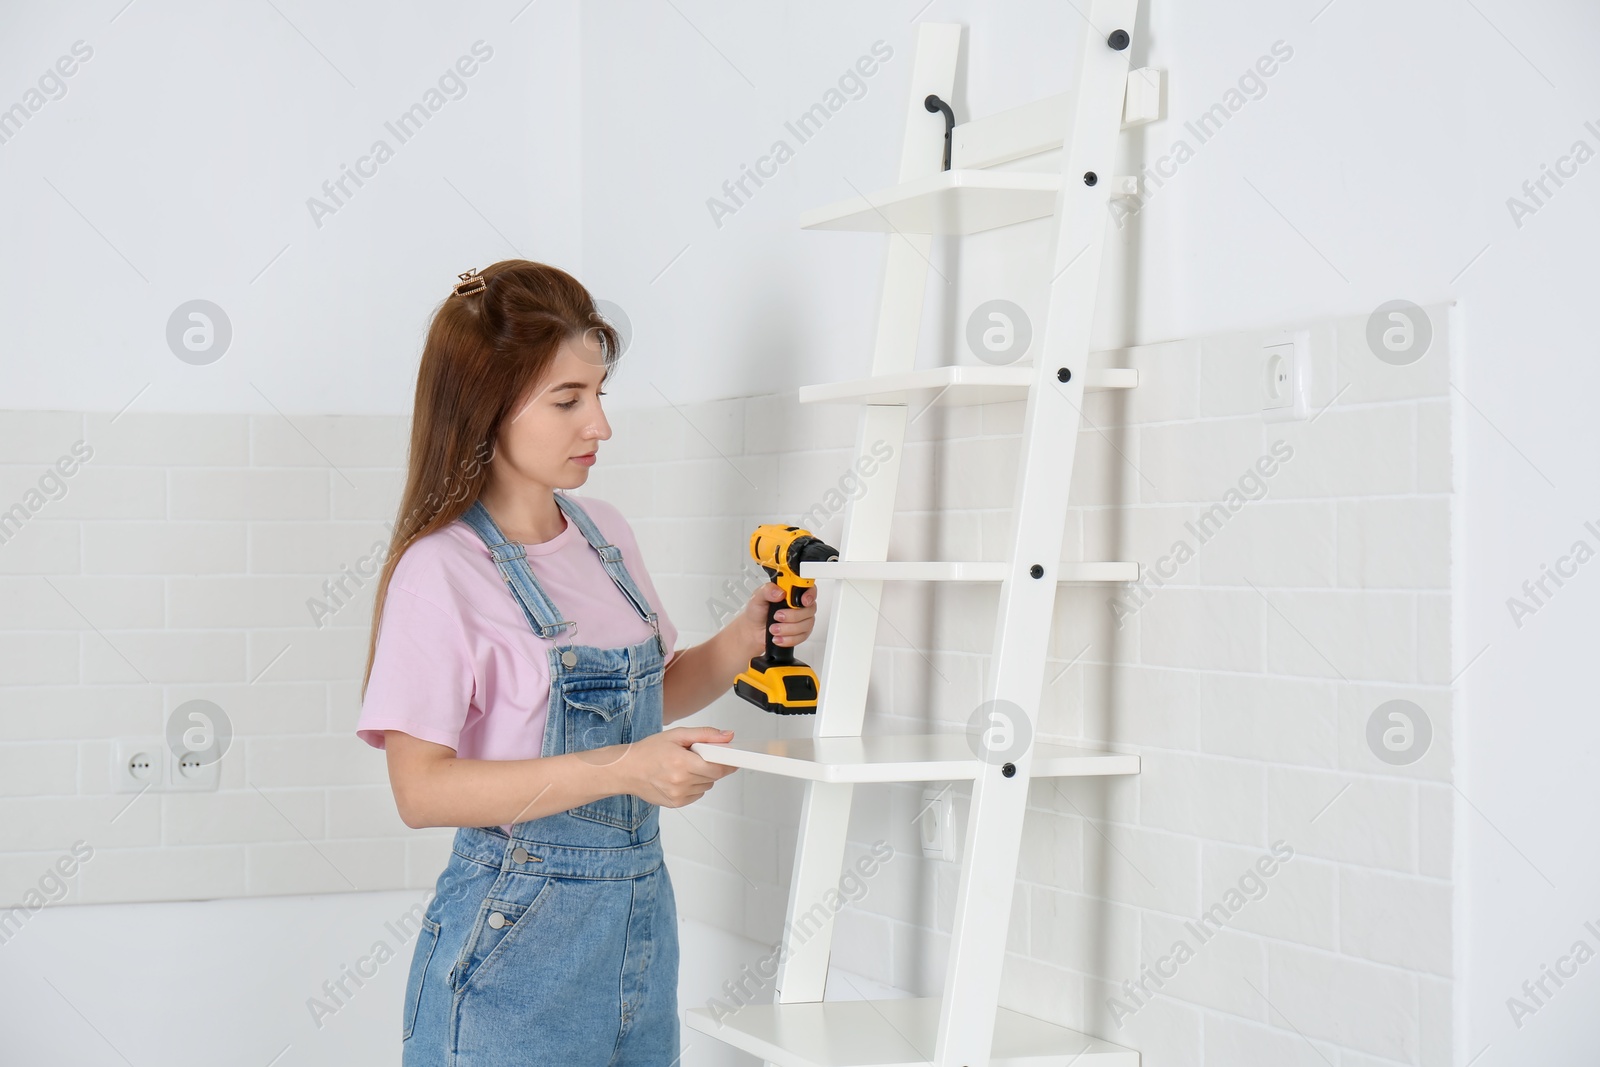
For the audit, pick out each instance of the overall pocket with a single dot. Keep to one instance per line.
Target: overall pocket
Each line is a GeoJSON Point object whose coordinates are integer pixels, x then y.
{"type": "Point", "coordinates": [596, 717]}
{"type": "Point", "coordinates": [500, 925]}
{"type": "Point", "coordinates": [421, 954]}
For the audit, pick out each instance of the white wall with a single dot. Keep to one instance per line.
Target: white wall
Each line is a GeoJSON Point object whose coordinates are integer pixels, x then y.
{"type": "Point", "coordinates": [179, 163]}
{"type": "Point", "coordinates": [1377, 165]}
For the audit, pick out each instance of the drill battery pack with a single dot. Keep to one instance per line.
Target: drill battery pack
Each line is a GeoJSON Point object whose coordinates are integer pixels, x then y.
{"type": "Point", "coordinates": [789, 689]}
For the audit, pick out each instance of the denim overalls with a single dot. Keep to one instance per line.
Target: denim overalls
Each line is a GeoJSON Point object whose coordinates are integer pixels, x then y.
{"type": "Point", "coordinates": [557, 945]}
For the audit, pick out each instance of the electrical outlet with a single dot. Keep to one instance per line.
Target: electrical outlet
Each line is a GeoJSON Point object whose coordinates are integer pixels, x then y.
{"type": "Point", "coordinates": [189, 774]}
{"type": "Point", "coordinates": [942, 822]}
{"type": "Point", "coordinates": [1286, 376]}
{"type": "Point", "coordinates": [139, 763]}
{"type": "Point", "coordinates": [936, 824]}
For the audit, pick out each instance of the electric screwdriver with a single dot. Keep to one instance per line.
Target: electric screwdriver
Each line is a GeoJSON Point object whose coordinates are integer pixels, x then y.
{"type": "Point", "coordinates": [776, 681]}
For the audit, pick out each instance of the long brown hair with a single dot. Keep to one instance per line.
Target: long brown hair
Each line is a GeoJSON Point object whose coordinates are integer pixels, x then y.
{"type": "Point", "coordinates": [484, 351]}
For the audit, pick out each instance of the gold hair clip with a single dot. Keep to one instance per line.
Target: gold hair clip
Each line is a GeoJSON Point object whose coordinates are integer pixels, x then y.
{"type": "Point", "coordinates": [471, 282]}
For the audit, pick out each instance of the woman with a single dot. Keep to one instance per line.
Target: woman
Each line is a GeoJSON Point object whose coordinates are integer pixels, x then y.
{"type": "Point", "coordinates": [518, 681]}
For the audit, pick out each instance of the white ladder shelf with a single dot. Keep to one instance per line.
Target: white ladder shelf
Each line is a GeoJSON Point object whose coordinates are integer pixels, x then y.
{"type": "Point", "coordinates": [965, 1027]}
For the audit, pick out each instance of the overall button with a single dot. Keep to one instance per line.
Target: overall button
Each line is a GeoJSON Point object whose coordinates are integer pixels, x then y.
{"type": "Point", "coordinates": [496, 919]}
{"type": "Point", "coordinates": [569, 659]}
{"type": "Point", "coordinates": [519, 855]}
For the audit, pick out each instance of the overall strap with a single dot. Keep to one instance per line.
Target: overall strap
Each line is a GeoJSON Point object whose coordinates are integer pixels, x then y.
{"type": "Point", "coordinates": [611, 559]}
{"type": "Point", "coordinates": [509, 556]}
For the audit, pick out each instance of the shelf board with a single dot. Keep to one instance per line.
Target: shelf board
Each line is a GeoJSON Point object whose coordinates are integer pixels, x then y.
{"type": "Point", "coordinates": [952, 386]}
{"type": "Point", "coordinates": [893, 1033]}
{"type": "Point", "coordinates": [944, 571]}
{"type": "Point", "coordinates": [901, 758]}
{"type": "Point", "coordinates": [950, 202]}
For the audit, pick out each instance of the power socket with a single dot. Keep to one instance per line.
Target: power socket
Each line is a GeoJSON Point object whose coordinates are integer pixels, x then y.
{"type": "Point", "coordinates": [139, 763]}
{"type": "Point", "coordinates": [188, 774]}
{"type": "Point", "coordinates": [940, 820]}
{"type": "Point", "coordinates": [146, 763]}
{"type": "Point", "coordinates": [1286, 376]}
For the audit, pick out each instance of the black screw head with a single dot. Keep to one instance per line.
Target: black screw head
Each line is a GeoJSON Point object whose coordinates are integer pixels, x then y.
{"type": "Point", "coordinates": [1009, 770]}
{"type": "Point", "coordinates": [1118, 40]}
{"type": "Point", "coordinates": [1063, 375]}
{"type": "Point", "coordinates": [1090, 177]}
{"type": "Point", "coordinates": [1036, 570]}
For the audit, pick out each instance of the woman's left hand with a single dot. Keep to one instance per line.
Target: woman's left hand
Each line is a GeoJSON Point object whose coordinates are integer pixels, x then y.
{"type": "Point", "coordinates": [792, 626]}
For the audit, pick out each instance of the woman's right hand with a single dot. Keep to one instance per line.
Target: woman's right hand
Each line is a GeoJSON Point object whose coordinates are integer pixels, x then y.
{"type": "Point", "coordinates": [665, 771]}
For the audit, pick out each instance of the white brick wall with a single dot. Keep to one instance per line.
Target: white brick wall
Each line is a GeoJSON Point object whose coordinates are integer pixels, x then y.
{"type": "Point", "coordinates": [176, 566]}
{"type": "Point", "coordinates": [1245, 682]}
{"type": "Point", "coordinates": [182, 554]}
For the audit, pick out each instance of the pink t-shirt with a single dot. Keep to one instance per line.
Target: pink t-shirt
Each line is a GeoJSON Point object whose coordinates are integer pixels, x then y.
{"type": "Point", "coordinates": [457, 663]}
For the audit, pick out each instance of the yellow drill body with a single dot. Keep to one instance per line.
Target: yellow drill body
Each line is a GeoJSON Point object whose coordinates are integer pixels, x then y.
{"type": "Point", "coordinates": [776, 681]}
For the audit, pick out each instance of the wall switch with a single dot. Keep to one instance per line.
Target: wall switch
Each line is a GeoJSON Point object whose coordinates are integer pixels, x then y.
{"type": "Point", "coordinates": [139, 763]}
{"type": "Point", "coordinates": [1286, 376]}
